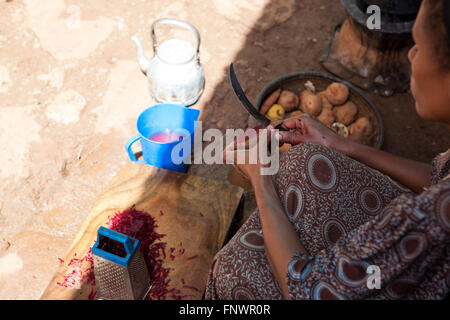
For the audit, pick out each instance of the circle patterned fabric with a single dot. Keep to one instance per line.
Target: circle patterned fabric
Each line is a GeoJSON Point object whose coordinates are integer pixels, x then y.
{"type": "Point", "coordinates": [348, 217]}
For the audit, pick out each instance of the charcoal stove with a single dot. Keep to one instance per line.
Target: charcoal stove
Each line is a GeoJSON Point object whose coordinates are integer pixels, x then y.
{"type": "Point", "coordinates": [375, 60]}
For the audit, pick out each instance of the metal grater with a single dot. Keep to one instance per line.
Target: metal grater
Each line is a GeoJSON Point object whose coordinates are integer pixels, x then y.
{"type": "Point", "coordinates": [120, 278]}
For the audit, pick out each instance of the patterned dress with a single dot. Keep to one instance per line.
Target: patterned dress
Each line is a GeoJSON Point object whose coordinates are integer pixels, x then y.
{"type": "Point", "coordinates": [348, 217]}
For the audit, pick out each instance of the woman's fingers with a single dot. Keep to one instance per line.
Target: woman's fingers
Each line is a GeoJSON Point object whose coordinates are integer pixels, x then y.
{"type": "Point", "coordinates": [293, 138]}
{"type": "Point", "coordinates": [243, 145]}
{"type": "Point", "coordinates": [292, 123]}
{"type": "Point", "coordinates": [229, 151]}
{"type": "Point", "coordinates": [236, 151]}
{"type": "Point", "coordinates": [296, 123]}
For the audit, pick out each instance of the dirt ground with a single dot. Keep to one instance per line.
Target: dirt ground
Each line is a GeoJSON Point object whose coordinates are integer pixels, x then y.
{"type": "Point", "coordinates": [71, 89]}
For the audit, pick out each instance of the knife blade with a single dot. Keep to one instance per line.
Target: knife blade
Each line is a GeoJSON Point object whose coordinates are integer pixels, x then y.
{"type": "Point", "coordinates": [244, 100]}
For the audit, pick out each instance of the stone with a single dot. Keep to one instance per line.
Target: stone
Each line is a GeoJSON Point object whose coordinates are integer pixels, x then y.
{"type": "Point", "coordinates": [4, 79]}
{"type": "Point", "coordinates": [126, 97]}
{"type": "Point", "coordinates": [10, 263]}
{"type": "Point", "coordinates": [62, 32]}
{"type": "Point", "coordinates": [54, 79]}
{"type": "Point", "coordinates": [66, 107]}
{"type": "Point", "coordinates": [18, 130]}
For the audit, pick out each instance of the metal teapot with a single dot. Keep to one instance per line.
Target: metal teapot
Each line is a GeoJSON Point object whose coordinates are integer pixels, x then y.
{"type": "Point", "coordinates": [175, 73]}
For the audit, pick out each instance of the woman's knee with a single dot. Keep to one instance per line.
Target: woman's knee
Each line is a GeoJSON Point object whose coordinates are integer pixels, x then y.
{"type": "Point", "coordinates": [296, 160]}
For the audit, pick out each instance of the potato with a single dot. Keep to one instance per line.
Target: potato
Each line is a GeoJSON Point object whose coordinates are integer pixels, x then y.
{"type": "Point", "coordinates": [294, 114]}
{"type": "Point", "coordinates": [285, 148]}
{"type": "Point", "coordinates": [276, 112]}
{"type": "Point", "coordinates": [310, 86]}
{"type": "Point", "coordinates": [325, 103]}
{"type": "Point", "coordinates": [270, 101]}
{"type": "Point", "coordinates": [362, 125]}
{"type": "Point", "coordinates": [288, 100]}
{"type": "Point", "coordinates": [310, 103]}
{"type": "Point", "coordinates": [327, 117]}
{"type": "Point", "coordinates": [359, 137]}
{"type": "Point", "coordinates": [361, 131]}
{"type": "Point", "coordinates": [337, 93]}
{"type": "Point", "coordinates": [346, 113]}
{"type": "Point", "coordinates": [275, 123]}
{"type": "Point", "coordinates": [340, 129]}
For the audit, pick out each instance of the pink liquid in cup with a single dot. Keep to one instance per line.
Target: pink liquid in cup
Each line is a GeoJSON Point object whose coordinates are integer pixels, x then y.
{"type": "Point", "coordinates": [166, 136]}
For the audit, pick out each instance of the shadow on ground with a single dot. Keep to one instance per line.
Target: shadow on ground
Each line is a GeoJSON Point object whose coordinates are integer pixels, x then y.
{"type": "Point", "coordinates": [290, 36]}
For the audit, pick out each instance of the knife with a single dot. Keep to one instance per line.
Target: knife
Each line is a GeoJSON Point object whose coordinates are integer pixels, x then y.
{"type": "Point", "coordinates": [246, 103]}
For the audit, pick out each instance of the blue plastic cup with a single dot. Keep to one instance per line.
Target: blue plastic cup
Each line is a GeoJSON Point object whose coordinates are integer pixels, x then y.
{"type": "Point", "coordinates": [159, 118]}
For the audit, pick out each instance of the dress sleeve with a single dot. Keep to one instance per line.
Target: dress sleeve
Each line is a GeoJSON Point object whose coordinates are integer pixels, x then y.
{"type": "Point", "coordinates": [401, 243]}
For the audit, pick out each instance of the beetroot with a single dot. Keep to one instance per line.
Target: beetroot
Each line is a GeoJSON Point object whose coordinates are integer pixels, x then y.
{"type": "Point", "coordinates": [142, 226]}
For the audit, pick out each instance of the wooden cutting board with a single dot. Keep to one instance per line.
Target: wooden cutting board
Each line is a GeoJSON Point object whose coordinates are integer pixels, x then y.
{"type": "Point", "coordinates": [197, 212]}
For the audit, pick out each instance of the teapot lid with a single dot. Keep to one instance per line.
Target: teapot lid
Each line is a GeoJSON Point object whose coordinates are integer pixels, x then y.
{"type": "Point", "coordinates": [175, 51]}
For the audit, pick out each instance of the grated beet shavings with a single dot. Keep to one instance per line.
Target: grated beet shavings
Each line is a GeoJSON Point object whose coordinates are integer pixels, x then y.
{"type": "Point", "coordinates": [191, 287]}
{"type": "Point", "coordinates": [142, 226]}
{"type": "Point", "coordinates": [192, 258]}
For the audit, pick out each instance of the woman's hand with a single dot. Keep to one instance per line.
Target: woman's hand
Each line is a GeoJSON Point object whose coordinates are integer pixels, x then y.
{"type": "Point", "coordinates": [243, 152]}
{"type": "Point", "coordinates": [306, 129]}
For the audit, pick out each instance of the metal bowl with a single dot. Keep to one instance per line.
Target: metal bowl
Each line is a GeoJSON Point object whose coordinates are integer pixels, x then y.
{"type": "Point", "coordinates": [295, 82]}
{"type": "Point", "coordinates": [398, 7]}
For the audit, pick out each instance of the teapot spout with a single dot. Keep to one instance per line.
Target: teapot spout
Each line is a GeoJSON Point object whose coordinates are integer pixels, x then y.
{"type": "Point", "coordinates": [143, 61]}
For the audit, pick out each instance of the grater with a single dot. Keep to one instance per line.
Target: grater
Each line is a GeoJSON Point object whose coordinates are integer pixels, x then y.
{"type": "Point", "coordinates": [120, 278]}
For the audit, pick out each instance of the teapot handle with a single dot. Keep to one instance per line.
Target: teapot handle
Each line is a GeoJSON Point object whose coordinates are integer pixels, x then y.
{"type": "Point", "coordinates": [178, 23]}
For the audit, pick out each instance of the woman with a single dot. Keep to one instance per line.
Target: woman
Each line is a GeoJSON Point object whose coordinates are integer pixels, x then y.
{"type": "Point", "coordinates": [336, 208]}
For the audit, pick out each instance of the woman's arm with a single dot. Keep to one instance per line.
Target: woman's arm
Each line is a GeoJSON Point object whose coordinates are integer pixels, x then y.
{"type": "Point", "coordinates": [411, 174]}
{"type": "Point", "coordinates": [280, 239]}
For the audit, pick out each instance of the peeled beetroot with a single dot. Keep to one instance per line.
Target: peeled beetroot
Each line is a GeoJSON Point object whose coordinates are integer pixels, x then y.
{"type": "Point", "coordinates": [142, 226]}
{"type": "Point", "coordinates": [288, 100]}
